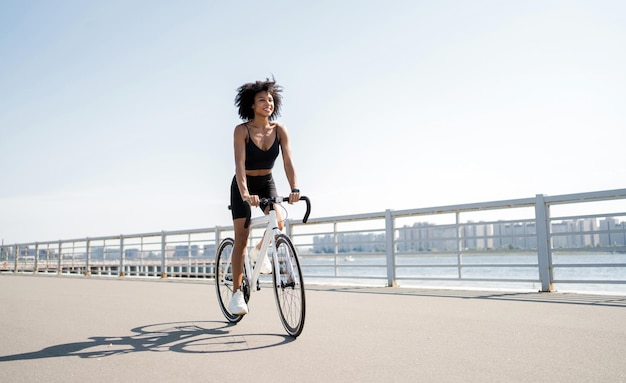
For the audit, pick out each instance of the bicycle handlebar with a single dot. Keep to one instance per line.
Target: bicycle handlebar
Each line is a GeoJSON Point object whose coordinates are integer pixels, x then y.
{"type": "Point", "coordinates": [275, 200]}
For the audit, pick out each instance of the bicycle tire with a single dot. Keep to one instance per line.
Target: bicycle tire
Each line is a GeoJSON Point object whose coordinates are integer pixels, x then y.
{"type": "Point", "coordinates": [289, 286]}
{"type": "Point", "coordinates": [224, 279]}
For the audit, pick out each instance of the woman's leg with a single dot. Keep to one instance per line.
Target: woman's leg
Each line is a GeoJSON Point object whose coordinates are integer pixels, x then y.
{"type": "Point", "coordinates": [241, 241]}
{"type": "Point", "coordinates": [279, 218]}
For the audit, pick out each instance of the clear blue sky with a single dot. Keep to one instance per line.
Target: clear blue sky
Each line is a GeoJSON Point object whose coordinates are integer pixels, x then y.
{"type": "Point", "coordinates": [117, 116]}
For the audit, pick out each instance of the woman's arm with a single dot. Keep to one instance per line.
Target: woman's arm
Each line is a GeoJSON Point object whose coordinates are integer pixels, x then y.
{"type": "Point", "coordinates": [240, 161]}
{"type": "Point", "coordinates": [290, 170]}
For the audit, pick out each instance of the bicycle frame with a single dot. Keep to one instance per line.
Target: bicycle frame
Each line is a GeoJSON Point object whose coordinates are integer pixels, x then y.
{"type": "Point", "coordinates": [271, 231]}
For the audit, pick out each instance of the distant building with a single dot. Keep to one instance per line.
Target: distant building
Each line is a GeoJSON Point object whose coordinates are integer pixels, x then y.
{"type": "Point", "coordinates": [423, 236]}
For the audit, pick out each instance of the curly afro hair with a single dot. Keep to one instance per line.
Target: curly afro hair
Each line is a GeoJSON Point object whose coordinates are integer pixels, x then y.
{"type": "Point", "coordinates": [245, 97]}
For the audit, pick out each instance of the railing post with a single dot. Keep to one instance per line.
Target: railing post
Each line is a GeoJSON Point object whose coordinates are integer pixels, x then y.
{"type": "Point", "coordinates": [335, 249]}
{"type": "Point", "coordinates": [544, 252]}
{"type": "Point", "coordinates": [188, 256]}
{"type": "Point", "coordinates": [36, 267]}
{"type": "Point", "coordinates": [163, 263]}
{"type": "Point", "coordinates": [17, 253]}
{"type": "Point", "coordinates": [335, 239]}
{"type": "Point", "coordinates": [459, 244]}
{"type": "Point", "coordinates": [218, 239]}
{"type": "Point", "coordinates": [121, 272]}
{"type": "Point", "coordinates": [390, 249]}
{"type": "Point", "coordinates": [288, 229]}
{"type": "Point", "coordinates": [4, 255]}
{"type": "Point", "coordinates": [88, 256]}
{"type": "Point", "coordinates": [59, 269]}
{"type": "Point", "coordinates": [73, 255]}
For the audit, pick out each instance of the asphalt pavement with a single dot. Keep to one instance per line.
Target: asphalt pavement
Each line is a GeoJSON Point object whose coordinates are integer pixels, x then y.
{"type": "Point", "coordinates": [96, 329]}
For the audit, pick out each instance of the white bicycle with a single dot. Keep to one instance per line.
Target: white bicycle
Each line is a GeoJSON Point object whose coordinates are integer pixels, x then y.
{"type": "Point", "coordinates": [286, 275]}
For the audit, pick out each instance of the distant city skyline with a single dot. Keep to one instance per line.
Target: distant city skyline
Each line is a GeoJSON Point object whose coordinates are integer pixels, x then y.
{"type": "Point", "coordinates": [479, 236]}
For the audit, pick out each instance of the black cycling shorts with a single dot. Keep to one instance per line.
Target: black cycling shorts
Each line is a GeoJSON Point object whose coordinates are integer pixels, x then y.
{"type": "Point", "coordinates": [263, 186]}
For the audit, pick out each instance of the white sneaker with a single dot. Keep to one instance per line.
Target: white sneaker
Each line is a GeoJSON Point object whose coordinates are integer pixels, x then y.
{"type": "Point", "coordinates": [266, 267]}
{"type": "Point", "coordinates": [237, 305]}
{"type": "Point", "coordinates": [254, 253]}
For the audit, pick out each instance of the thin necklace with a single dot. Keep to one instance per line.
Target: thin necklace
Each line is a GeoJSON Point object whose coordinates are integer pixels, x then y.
{"type": "Point", "coordinates": [269, 128]}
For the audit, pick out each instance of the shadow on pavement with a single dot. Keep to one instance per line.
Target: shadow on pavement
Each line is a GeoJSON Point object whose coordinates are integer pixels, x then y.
{"type": "Point", "coordinates": [185, 337]}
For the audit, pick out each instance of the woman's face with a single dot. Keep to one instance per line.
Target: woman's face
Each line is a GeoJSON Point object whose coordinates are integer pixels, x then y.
{"type": "Point", "coordinates": [263, 104]}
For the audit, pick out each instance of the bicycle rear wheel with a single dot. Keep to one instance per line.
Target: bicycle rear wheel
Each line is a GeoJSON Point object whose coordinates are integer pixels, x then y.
{"type": "Point", "coordinates": [224, 279]}
{"type": "Point", "coordinates": [289, 287]}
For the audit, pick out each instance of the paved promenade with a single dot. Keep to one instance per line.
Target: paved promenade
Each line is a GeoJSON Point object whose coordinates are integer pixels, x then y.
{"type": "Point", "coordinates": [79, 329]}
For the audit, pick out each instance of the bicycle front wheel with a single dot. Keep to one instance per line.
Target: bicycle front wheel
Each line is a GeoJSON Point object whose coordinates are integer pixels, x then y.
{"type": "Point", "coordinates": [288, 286]}
{"type": "Point", "coordinates": [224, 279]}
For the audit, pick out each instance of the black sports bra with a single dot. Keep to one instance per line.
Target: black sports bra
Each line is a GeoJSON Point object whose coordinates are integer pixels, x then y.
{"type": "Point", "coordinates": [256, 158]}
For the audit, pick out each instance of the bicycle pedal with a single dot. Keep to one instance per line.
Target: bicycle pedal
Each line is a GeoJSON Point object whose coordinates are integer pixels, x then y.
{"type": "Point", "coordinates": [258, 286]}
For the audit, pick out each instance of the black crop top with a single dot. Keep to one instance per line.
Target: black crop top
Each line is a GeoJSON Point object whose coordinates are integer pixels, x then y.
{"type": "Point", "coordinates": [256, 158]}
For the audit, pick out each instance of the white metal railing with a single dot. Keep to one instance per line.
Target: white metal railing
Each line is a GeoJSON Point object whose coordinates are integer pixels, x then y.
{"type": "Point", "coordinates": [567, 242]}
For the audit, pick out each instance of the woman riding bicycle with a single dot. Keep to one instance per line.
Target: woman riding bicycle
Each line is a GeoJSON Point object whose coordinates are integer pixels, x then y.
{"type": "Point", "coordinates": [257, 143]}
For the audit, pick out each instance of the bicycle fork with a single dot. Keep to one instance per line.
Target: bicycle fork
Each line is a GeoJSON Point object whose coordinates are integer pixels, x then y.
{"type": "Point", "coordinates": [285, 267]}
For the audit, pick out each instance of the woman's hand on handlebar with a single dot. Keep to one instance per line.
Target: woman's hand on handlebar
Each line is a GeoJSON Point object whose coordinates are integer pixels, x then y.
{"type": "Point", "coordinates": [253, 200]}
{"type": "Point", "coordinates": [294, 196]}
